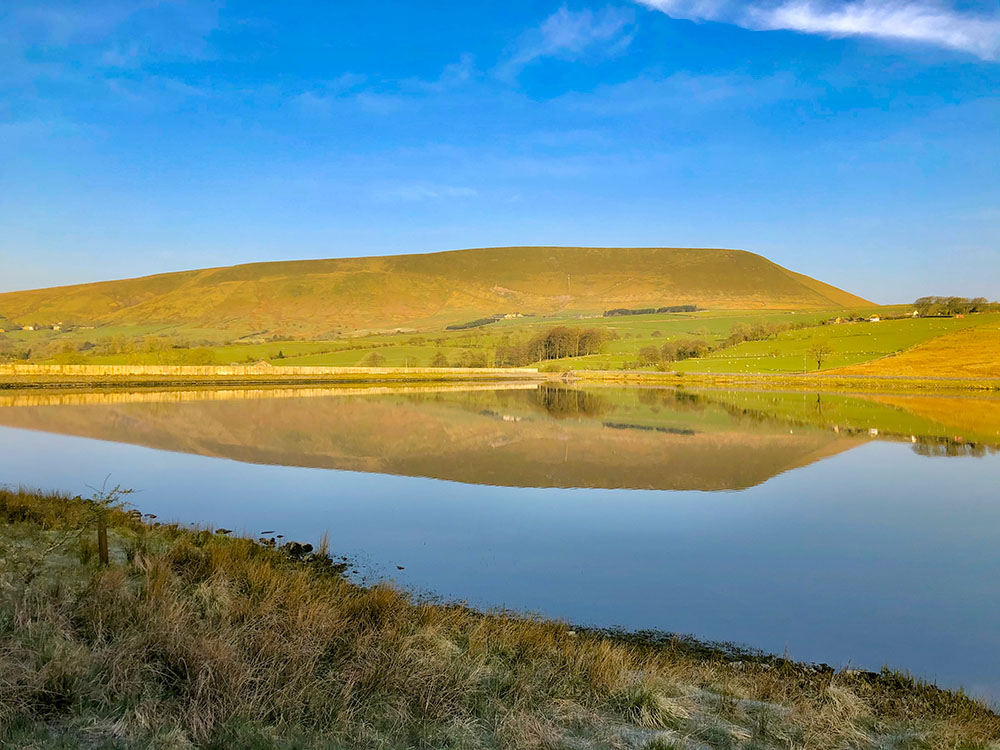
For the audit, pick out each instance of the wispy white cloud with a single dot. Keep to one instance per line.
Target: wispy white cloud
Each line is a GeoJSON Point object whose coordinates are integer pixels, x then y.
{"type": "Point", "coordinates": [154, 92]}
{"type": "Point", "coordinates": [382, 96]}
{"type": "Point", "coordinates": [571, 35]}
{"type": "Point", "coordinates": [60, 23]}
{"type": "Point", "coordinates": [87, 47]}
{"type": "Point", "coordinates": [124, 33]}
{"type": "Point", "coordinates": [321, 97]}
{"type": "Point", "coordinates": [423, 191]}
{"type": "Point", "coordinates": [922, 21]}
{"type": "Point", "coordinates": [453, 75]}
{"type": "Point", "coordinates": [686, 95]}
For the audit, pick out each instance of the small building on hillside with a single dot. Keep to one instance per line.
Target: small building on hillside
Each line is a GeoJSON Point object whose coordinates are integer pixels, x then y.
{"type": "Point", "coordinates": [875, 319]}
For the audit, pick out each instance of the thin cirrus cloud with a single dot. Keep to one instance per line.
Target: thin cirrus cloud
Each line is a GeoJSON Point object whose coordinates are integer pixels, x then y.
{"type": "Point", "coordinates": [904, 20]}
{"type": "Point", "coordinates": [422, 191]}
{"type": "Point", "coordinates": [570, 35]}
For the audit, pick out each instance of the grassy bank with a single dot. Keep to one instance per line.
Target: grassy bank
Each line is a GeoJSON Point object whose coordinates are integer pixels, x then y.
{"type": "Point", "coordinates": [191, 638]}
{"type": "Point", "coordinates": [812, 382]}
{"type": "Point", "coordinates": [13, 376]}
{"type": "Point", "coordinates": [142, 377]}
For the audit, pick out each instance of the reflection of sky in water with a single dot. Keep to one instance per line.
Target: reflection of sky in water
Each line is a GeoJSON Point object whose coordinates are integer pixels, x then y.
{"type": "Point", "coordinates": [873, 556]}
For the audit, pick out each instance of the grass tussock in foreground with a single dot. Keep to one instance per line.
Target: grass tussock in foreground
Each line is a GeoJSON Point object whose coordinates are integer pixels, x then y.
{"type": "Point", "coordinates": [193, 639]}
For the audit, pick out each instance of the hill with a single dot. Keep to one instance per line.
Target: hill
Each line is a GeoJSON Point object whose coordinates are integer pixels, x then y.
{"type": "Point", "coordinates": [320, 297]}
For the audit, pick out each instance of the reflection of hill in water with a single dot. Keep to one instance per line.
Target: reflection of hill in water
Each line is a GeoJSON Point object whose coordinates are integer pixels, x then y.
{"type": "Point", "coordinates": [939, 425]}
{"type": "Point", "coordinates": [549, 436]}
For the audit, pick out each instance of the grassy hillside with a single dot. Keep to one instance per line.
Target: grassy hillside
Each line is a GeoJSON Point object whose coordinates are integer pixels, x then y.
{"type": "Point", "coordinates": [850, 344]}
{"type": "Point", "coordinates": [326, 297]}
{"type": "Point", "coordinates": [969, 353]}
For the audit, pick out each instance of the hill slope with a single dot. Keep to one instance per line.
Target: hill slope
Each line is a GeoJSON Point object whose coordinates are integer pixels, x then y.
{"type": "Point", "coordinates": [313, 297]}
{"type": "Point", "coordinates": [971, 353]}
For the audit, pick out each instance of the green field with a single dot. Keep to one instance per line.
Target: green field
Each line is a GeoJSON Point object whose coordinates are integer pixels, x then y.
{"type": "Point", "coordinates": [633, 332]}
{"type": "Point", "coordinates": [784, 353]}
{"type": "Point", "coordinates": [851, 343]}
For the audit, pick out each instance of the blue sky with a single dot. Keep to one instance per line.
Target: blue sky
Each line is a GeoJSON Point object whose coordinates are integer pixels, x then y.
{"type": "Point", "coordinates": [858, 142]}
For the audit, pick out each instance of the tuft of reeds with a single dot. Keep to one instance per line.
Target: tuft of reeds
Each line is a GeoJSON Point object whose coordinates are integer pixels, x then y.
{"type": "Point", "coordinates": [194, 639]}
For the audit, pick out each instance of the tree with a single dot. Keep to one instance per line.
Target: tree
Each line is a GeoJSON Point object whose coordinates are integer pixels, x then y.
{"type": "Point", "coordinates": [649, 355]}
{"type": "Point", "coordinates": [687, 348]}
{"type": "Point", "coordinates": [739, 333]}
{"type": "Point", "coordinates": [373, 359]}
{"type": "Point", "coordinates": [439, 360]}
{"type": "Point", "coordinates": [592, 340]}
{"type": "Point", "coordinates": [560, 342]}
{"type": "Point", "coordinates": [820, 351]}
{"type": "Point", "coordinates": [470, 358]}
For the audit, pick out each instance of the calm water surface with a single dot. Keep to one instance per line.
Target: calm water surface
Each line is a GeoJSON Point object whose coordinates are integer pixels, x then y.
{"type": "Point", "coordinates": [848, 530]}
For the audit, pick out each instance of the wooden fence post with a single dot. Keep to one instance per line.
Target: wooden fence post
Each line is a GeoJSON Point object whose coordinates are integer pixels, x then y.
{"type": "Point", "coordinates": [102, 539]}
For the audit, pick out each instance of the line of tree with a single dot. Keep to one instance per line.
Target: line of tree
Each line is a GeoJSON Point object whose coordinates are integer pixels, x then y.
{"type": "Point", "coordinates": [471, 324]}
{"type": "Point", "coordinates": [556, 343]}
{"type": "Point", "coordinates": [930, 306]}
{"type": "Point", "coordinates": [650, 310]}
{"type": "Point", "coordinates": [672, 351]}
{"type": "Point", "coordinates": [741, 332]}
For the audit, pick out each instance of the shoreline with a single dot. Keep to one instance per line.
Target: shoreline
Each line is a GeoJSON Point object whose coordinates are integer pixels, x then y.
{"type": "Point", "coordinates": [810, 382]}
{"type": "Point", "coordinates": [220, 640]}
{"type": "Point", "coordinates": [143, 376]}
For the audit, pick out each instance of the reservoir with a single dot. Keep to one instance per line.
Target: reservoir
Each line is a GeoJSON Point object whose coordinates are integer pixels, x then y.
{"type": "Point", "coordinates": [855, 530]}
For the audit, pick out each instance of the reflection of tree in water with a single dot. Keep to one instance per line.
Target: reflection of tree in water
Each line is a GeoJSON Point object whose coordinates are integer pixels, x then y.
{"type": "Point", "coordinates": [688, 401]}
{"type": "Point", "coordinates": [560, 401]}
{"type": "Point", "coordinates": [674, 399]}
{"type": "Point", "coordinates": [649, 397]}
{"type": "Point", "coordinates": [938, 447]}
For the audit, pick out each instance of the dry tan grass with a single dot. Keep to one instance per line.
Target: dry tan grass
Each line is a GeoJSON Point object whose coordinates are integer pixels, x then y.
{"type": "Point", "coordinates": [191, 639]}
{"type": "Point", "coordinates": [969, 353]}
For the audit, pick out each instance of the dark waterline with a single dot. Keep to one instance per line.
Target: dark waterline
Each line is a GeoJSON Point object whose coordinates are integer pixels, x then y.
{"type": "Point", "coordinates": [868, 553]}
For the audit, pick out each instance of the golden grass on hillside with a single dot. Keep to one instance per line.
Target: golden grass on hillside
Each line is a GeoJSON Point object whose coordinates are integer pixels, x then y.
{"type": "Point", "coordinates": [191, 639]}
{"type": "Point", "coordinates": [321, 297]}
{"type": "Point", "coordinates": [970, 353]}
